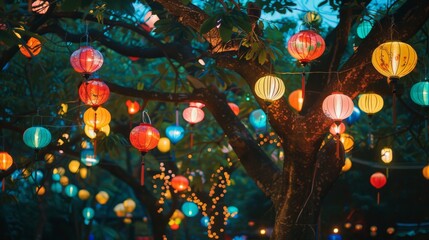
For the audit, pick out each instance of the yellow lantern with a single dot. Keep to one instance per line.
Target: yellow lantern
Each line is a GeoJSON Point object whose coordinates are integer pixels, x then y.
{"type": "Point", "coordinates": [83, 194]}
{"type": "Point", "coordinates": [164, 145]}
{"type": "Point", "coordinates": [119, 210]}
{"type": "Point", "coordinates": [426, 172]}
{"type": "Point", "coordinates": [129, 205]}
{"type": "Point", "coordinates": [97, 118]}
{"type": "Point", "coordinates": [348, 142]}
{"type": "Point", "coordinates": [83, 172]}
{"type": "Point", "coordinates": [347, 165]}
{"type": "Point", "coordinates": [64, 180]}
{"type": "Point", "coordinates": [177, 214]}
{"type": "Point", "coordinates": [102, 197]}
{"type": "Point", "coordinates": [74, 166]}
{"type": "Point", "coordinates": [394, 59]}
{"type": "Point", "coordinates": [91, 133]}
{"type": "Point", "coordinates": [49, 158]}
{"type": "Point", "coordinates": [269, 88]}
{"type": "Point", "coordinates": [386, 155]}
{"type": "Point", "coordinates": [370, 103]}
{"type": "Point", "coordinates": [40, 190]}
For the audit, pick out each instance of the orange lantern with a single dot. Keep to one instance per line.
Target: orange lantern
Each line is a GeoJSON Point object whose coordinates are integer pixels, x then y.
{"type": "Point", "coordinates": [133, 107]}
{"type": "Point", "coordinates": [193, 114]}
{"type": "Point", "coordinates": [179, 183]}
{"type": "Point", "coordinates": [425, 172]}
{"type": "Point", "coordinates": [94, 92]}
{"type": "Point", "coordinates": [235, 109]}
{"type": "Point", "coordinates": [296, 100]}
{"type": "Point", "coordinates": [33, 47]}
{"type": "Point", "coordinates": [97, 118]}
{"type": "Point", "coordinates": [6, 161]}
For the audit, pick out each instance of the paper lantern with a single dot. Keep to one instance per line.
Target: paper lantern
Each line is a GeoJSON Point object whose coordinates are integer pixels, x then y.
{"type": "Point", "coordinates": [64, 180]}
{"type": "Point", "coordinates": [193, 115]}
{"type": "Point", "coordinates": [74, 166]}
{"type": "Point", "coordinates": [129, 205]}
{"type": "Point", "coordinates": [196, 104]}
{"type": "Point", "coordinates": [347, 165]}
{"type": "Point", "coordinates": [306, 46]}
{"type": "Point", "coordinates": [6, 161]}
{"type": "Point", "coordinates": [144, 137]}
{"type": "Point", "coordinates": [370, 103]}
{"type": "Point", "coordinates": [83, 194]}
{"type": "Point", "coordinates": [40, 7]}
{"type": "Point", "coordinates": [119, 209]}
{"type": "Point", "coordinates": [420, 93]}
{"type": "Point", "coordinates": [296, 100]}
{"type": "Point", "coordinates": [354, 116]}
{"type": "Point", "coordinates": [56, 177]}
{"type": "Point", "coordinates": [102, 197]}
{"type": "Point", "coordinates": [91, 133]}
{"type": "Point", "coordinates": [235, 109]}
{"type": "Point", "coordinates": [337, 129]}
{"type": "Point", "coordinates": [179, 183]}
{"type": "Point", "coordinates": [56, 187]}
{"type": "Point", "coordinates": [378, 180]}
{"type": "Point", "coordinates": [40, 190]}
{"type": "Point", "coordinates": [34, 46]}
{"type": "Point", "coordinates": [394, 59]}
{"type": "Point", "coordinates": [386, 155]}
{"type": "Point", "coordinates": [164, 145]}
{"type": "Point", "coordinates": [205, 221]}
{"type": "Point", "coordinates": [37, 137]}
{"type": "Point", "coordinates": [49, 158]}
{"type": "Point", "coordinates": [133, 107]}
{"type": "Point", "coordinates": [425, 172]}
{"type": "Point", "coordinates": [190, 209]}
{"type": "Point", "coordinates": [348, 142]}
{"type": "Point", "coordinates": [71, 190]}
{"type": "Point", "coordinates": [174, 226]}
{"type": "Point", "coordinates": [363, 29]}
{"type": "Point", "coordinates": [37, 177]}
{"type": "Point", "coordinates": [269, 88]}
{"type": "Point", "coordinates": [258, 119]}
{"type": "Point", "coordinates": [86, 60]}
{"type": "Point", "coordinates": [88, 213]}
{"type": "Point", "coordinates": [97, 118]}
{"type": "Point", "coordinates": [233, 211]}
{"type": "Point", "coordinates": [337, 106]}
{"type": "Point", "coordinates": [88, 157]}
{"type": "Point", "coordinates": [175, 133]}
{"type": "Point", "coordinates": [94, 92]}
{"type": "Point", "coordinates": [83, 172]}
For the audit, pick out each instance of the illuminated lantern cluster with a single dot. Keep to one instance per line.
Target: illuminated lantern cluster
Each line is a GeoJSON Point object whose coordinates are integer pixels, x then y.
{"type": "Point", "coordinates": [37, 137]}
{"type": "Point", "coordinates": [94, 92]}
{"type": "Point", "coordinates": [180, 183]}
{"type": "Point", "coordinates": [175, 220]}
{"type": "Point", "coordinates": [32, 48]}
{"type": "Point", "coordinates": [269, 88]}
{"type": "Point", "coordinates": [420, 93]}
{"type": "Point", "coordinates": [370, 103]}
{"type": "Point", "coordinates": [86, 60]}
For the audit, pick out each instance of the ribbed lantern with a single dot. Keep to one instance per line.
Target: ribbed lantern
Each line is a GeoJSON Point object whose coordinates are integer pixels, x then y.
{"type": "Point", "coordinates": [175, 133]}
{"type": "Point", "coordinates": [179, 183]}
{"type": "Point", "coordinates": [337, 106]}
{"type": "Point", "coordinates": [34, 47]}
{"type": "Point", "coordinates": [91, 133]}
{"type": "Point", "coordinates": [235, 109]}
{"type": "Point", "coordinates": [420, 93]}
{"type": "Point", "coordinates": [296, 100]}
{"type": "Point", "coordinates": [102, 197]}
{"type": "Point", "coordinates": [97, 118]}
{"type": "Point", "coordinates": [269, 88]}
{"type": "Point", "coordinates": [86, 60]}
{"type": "Point", "coordinates": [193, 115]}
{"type": "Point", "coordinates": [40, 7]}
{"type": "Point", "coordinates": [94, 92]}
{"type": "Point", "coordinates": [386, 155]}
{"type": "Point", "coordinates": [363, 29]}
{"type": "Point", "coordinates": [258, 119]}
{"type": "Point", "coordinates": [306, 46]}
{"type": "Point", "coordinates": [37, 137]}
{"type": "Point", "coordinates": [370, 103]}
{"type": "Point", "coordinates": [6, 161]}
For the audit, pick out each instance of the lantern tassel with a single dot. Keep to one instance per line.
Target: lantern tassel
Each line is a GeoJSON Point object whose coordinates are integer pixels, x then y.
{"type": "Point", "coordinates": [337, 153]}
{"type": "Point", "coordinates": [3, 185]}
{"type": "Point", "coordinates": [191, 136]}
{"type": "Point", "coordinates": [303, 85]}
{"type": "Point", "coordinates": [378, 198]}
{"type": "Point", "coordinates": [142, 170]}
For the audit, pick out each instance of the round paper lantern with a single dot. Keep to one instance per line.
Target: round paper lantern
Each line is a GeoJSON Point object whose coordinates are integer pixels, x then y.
{"type": "Point", "coordinates": [102, 197]}
{"type": "Point", "coordinates": [337, 106]}
{"type": "Point", "coordinates": [86, 60]}
{"type": "Point", "coordinates": [337, 129]}
{"type": "Point", "coordinates": [235, 109]}
{"type": "Point", "coordinates": [40, 190]}
{"type": "Point", "coordinates": [34, 47]}
{"type": "Point", "coordinates": [97, 118]}
{"type": "Point", "coordinates": [347, 165]}
{"type": "Point", "coordinates": [269, 88]}
{"type": "Point", "coordinates": [386, 155]}
{"type": "Point", "coordinates": [83, 172]}
{"type": "Point", "coordinates": [354, 117]}
{"type": "Point", "coordinates": [425, 172]}
{"type": "Point", "coordinates": [70, 190]}
{"type": "Point", "coordinates": [363, 29]}
{"type": "Point", "coordinates": [64, 180]}
{"type": "Point", "coordinates": [348, 142]}
{"type": "Point", "coordinates": [180, 183]}
{"type": "Point", "coordinates": [420, 93]}
{"type": "Point", "coordinates": [378, 180]}
{"type": "Point", "coordinates": [129, 205]}
{"type": "Point", "coordinates": [164, 145]}
{"type": "Point", "coordinates": [74, 166]}
{"type": "Point", "coordinates": [56, 187]}
{"type": "Point", "coordinates": [394, 59]}
{"type": "Point", "coordinates": [233, 211]}
{"type": "Point", "coordinates": [205, 221]}
{"type": "Point", "coordinates": [56, 177]}
{"type": "Point", "coordinates": [119, 209]}
{"type": "Point", "coordinates": [175, 133]}
{"type": "Point", "coordinates": [370, 103]}
{"type": "Point", "coordinates": [40, 7]}
{"type": "Point", "coordinates": [196, 104]}
{"type": "Point", "coordinates": [91, 133]}
{"type": "Point", "coordinates": [88, 213]}
{"type": "Point", "coordinates": [88, 157]}
{"type": "Point", "coordinates": [83, 194]}
{"type": "Point", "coordinates": [193, 115]}
{"type": "Point", "coordinates": [133, 107]}
{"type": "Point", "coordinates": [49, 158]}
{"type": "Point", "coordinates": [312, 18]}
{"type": "Point", "coordinates": [94, 92]}
{"type": "Point", "coordinates": [144, 137]}
{"type": "Point", "coordinates": [37, 137]}
{"type": "Point", "coordinates": [190, 209]}
{"type": "Point", "coordinates": [258, 119]}
{"type": "Point", "coordinates": [306, 46]}
{"type": "Point", "coordinates": [296, 100]}
{"type": "Point", "coordinates": [6, 161]}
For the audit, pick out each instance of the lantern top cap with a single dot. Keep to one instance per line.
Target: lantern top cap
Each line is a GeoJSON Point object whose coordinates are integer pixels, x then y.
{"type": "Point", "coordinates": [145, 124]}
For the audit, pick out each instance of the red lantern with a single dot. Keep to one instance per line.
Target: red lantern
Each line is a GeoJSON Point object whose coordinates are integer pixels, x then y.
{"type": "Point", "coordinates": [235, 109]}
{"type": "Point", "coordinates": [133, 107]}
{"type": "Point", "coordinates": [86, 60]}
{"type": "Point", "coordinates": [306, 46]}
{"type": "Point", "coordinates": [180, 183]}
{"type": "Point", "coordinates": [378, 180]}
{"type": "Point", "coordinates": [94, 92]}
{"type": "Point", "coordinates": [193, 114]}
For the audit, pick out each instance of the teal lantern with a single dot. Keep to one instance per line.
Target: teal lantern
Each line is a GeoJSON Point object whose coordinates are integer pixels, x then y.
{"type": "Point", "coordinates": [363, 29]}
{"type": "Point", "coordinates": [420, 93]}
{"type": "Point", "coordinates": [258, 119]}
{"type": "Point", "coordinates": [190, 209]}
{"type": "Point", "coordinates": [71, 190]}
{"type": "Point", "coordinates": [37, 137]}
{"type": "Point", "coordinates": [56, 177]}
{"type": "Point", "coordinates": [88, 157]}
{"type": "Point", "coordinates": [56, 187]}
{"type": "Point", "coordinates": [88, 214]}
{"type": "Point", "coordinates": [175, 133]}
{"type": "Point", "coordinates": [205, 221]}
{"type": "Point", "coordinates": [36, 177]}
{"type": "Point", "coordinates": [233, 211]}
{"type": "Point", "coordinates": [354, 117]}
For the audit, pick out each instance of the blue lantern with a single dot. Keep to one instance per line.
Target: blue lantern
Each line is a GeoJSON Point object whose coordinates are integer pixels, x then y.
{"type": "Point", "coordinates": [37, 137]}
{"type": "Point", "coordinates": [56, 187]}
{"type": "Point", "coordinates": [36, 177]}
{"type": "Point", "coordinates": [205, 221]}
{"type": "Point", "coordinates": [56, 177]}
{"type": "Point", "coordinates": [71, 190]}
{"type": "Point", "coordinates": [175, 133]}
{"type": "Point", "coordinates": [335, 236]}
{"type": "Point", "coordinates": [420, 93]}
{"type": "Point", "coordinates": [190, 209]}
{"type": "Point", "coordinates": [258, 119]}
{"type": "Point", "coordinates": [88, 157]}
{"type": "Point", "coordinates": [354, 117]}
{"type": "Point", "coordinates": [363, 29]}
{"type": "Point", "coordinates": [233, 211]}
{"type": "Point", "coordinates": [88, 214]}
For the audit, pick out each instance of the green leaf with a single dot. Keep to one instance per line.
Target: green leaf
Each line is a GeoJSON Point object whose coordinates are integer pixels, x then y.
{"type": "Point", "coordinates": [208, 24]}
{"type": "Point", "coordinates": [262, 57]}
{"type": "Point", "coordinates": [225, 32]}
{"type": "Point", "coordinates": [243, 22]}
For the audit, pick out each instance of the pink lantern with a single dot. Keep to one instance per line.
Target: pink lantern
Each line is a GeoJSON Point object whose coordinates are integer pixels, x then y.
{"type": "Point", "coordinates": [86, 60]}
{"type": "Point", "coordinates": [193, 115]}
{"type": "Point", "coordinates": [337, 106]}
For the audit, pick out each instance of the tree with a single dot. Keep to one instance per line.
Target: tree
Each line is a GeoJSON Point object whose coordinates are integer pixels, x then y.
{"type": "Point", "coordinates": [236, 49]}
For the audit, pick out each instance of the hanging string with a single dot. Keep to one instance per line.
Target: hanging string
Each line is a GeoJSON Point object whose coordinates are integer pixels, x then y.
{"type": "Point", "coordinates": [177, 115]}
{"type": "Point", "coordinates": [303, 84]}
{"type": "Point", "coordinates": [86, 33]}
{"type": "Point", "coordinates": [145, 115]}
